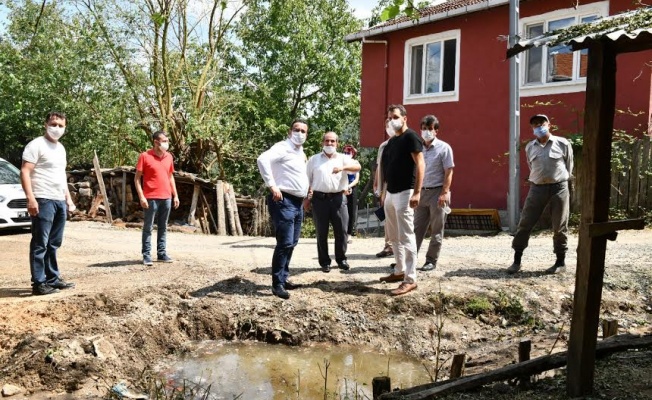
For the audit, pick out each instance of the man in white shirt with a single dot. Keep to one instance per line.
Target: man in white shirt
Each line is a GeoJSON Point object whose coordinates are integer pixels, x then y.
{"type": "Point", "coordinates": [550, 159]}
{"type": "Point", "coordinates": [43, 177]}
{"type": "Point", "coordinates": [328, 180]}
{"type": "Point", "coordinates": [283, 168]}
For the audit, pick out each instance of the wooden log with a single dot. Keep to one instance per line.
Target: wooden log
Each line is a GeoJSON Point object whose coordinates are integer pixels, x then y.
{"type": "Point", "coordinates": [114, 195]}
{"type": "Point", "coordinates": [236, 213]}
{"type": "Point", "coordinates": [380, 385]}
{"type": "Point", "coordinates": [192, 220]}
{"type": "Point", "coordinates": [609, 328]}
{"type": "Point", "coordinates": [255, 228]}
{"type": "Point", "coordinates": [221, 217]}
{"type": "Point", "coordinates": [230, 216]}
{"type": "Point", "coordinates": [252, 203]}
{"type": "Point", "coordinates": [531, 367]}
{"type": "Point", "coordinates": [95, 205]}
{"type": "Point", "coordinates": [100, 181]}
{"type": "Point", "coordinates": [457, 366]}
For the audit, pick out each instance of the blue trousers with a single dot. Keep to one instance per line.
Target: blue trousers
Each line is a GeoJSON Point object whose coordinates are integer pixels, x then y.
{"type": "Point", "coordinates": [159, 208]}
{"type": "Point", "coordinates": [47, 235]}
{"type": "Point", "coordinates": [287, 216]}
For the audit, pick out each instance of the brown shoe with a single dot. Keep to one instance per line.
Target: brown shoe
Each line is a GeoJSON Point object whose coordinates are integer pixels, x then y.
{"type": "Point", "coordinates": [385, 253]}
{"type": "Point", "coordinates": [404, 288]}
{"type": "Point", "coordinates": [392, 278]}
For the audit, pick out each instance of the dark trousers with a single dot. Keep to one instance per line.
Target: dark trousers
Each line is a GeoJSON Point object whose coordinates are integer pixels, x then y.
{"type": "Point", "coordinates": [352, 208]}
{"type": "Point", "coordinates": [287, 216]}
{"type": "Point", "coordinates": [538, 198]}
{"type": "Point", "coordinates": [330, 209]}
{"type": "Point", "coordinates": [47, 236]}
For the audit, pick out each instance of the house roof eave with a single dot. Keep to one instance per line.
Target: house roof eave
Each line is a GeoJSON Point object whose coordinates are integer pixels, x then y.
{"type": "Point", "coordinates": [385, 28]}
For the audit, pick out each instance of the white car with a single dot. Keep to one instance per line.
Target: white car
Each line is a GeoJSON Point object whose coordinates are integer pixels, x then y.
{"type": "Point", "coordinates": [13, 203]}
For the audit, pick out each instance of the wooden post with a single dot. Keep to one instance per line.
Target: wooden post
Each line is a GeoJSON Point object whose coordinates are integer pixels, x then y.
{"type": "Point", "coordinates": [193, 206]}
{"type": "Point", "coordinates": [380, 385]}
{"type": "Point", "coordinates": [524, 348]}
{"type": "Point", "coordinates": [124, 194]}
{"type": "Point", "coordinates": [100, 181]}
{"type": "Point", "coordinates": [457, 366]}
{"type": "Point", "coordinates": [595, 181]}
{"type": "Point", "coordinates": [609, 328]}
{"type": "Point", "coordinates": [221, 219]}
{"type": "Point", "coordinates": [210, 213]}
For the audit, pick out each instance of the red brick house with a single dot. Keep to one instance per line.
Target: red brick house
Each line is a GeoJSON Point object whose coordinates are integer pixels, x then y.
{"type": "Point", "coordinates": [451, 63]}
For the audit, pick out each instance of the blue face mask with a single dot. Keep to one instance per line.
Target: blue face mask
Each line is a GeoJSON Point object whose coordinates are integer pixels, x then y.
{"type": "Point", "coordinates": [540, 131]}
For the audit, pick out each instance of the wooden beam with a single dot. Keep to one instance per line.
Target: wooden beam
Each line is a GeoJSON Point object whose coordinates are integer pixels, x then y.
{"type": "Point", "coordinates": [535, 366]}
{"type": "Point", "coordinates": [124, 194]}
{"type": "Point", "coordinates": [100, 181]}
{"type": "Point", "coordinates": [595, 178]}
{"type": "Point", "coordinates": [604, 228]}
{"type": "Point", "coordinates": [193, 205]}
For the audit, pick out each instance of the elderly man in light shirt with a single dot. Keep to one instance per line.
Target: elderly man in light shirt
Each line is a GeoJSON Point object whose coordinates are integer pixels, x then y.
{"type": "Point", "coordinates": [283, 168]}
{"type": "Point", "coordinates": [328, 180]}
{"type": "Point", "coordinates": [550, 159]}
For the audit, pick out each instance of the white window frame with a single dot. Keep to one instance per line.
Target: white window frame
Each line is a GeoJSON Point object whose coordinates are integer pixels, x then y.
{"type": "Point", "coordinates": [577, 84]}
{"type": "Point", "coordinates": [440, 97]}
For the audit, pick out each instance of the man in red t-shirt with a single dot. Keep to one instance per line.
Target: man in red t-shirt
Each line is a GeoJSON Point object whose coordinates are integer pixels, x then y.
{"type": "Point", "coordinates": [156, 194]}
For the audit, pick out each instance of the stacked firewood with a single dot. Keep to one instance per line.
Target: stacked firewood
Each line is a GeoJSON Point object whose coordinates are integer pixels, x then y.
{"type": "Point", "coordinates": [211, 208]}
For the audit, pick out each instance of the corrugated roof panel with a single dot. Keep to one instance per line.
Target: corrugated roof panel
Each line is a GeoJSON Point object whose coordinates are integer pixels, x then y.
{"type": "Point", "coordinates": [617, 28]}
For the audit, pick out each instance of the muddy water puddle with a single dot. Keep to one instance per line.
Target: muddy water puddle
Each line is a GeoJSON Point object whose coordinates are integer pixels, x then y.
{"type": "Point", "coordinates": [250, 370]}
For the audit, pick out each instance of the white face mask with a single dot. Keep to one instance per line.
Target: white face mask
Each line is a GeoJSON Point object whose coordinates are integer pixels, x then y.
{"type": "Point", "coordinates": [329, 149]}
{"type": "Point", "coordinates": [396, 123]}
{"type": "Point", "coordinates": [165, 146]}
{"type": "Point", "coordinates": [427, 135]}
{"type": "Point", "coordinates": [55, 132]}
{"type": "Point", "coordinates": [298, 137]}
{"type": "Point", "coordinates": [388, 129]}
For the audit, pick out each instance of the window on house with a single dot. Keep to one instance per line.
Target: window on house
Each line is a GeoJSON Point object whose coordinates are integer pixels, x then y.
{"type": "Point", "coordinates": [557, 64]}
{"type": "Point", "coordinates": [432, 67]}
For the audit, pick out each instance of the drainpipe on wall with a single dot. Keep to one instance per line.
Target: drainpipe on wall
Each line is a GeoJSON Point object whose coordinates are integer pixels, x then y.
{"type": "Point", "coordinates": [365, 40]}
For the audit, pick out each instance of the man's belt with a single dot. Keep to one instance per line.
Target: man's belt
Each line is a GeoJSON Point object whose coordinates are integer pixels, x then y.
{"type": "Point", "coordinates": [431, 188]}
{"type": "Point", "coordinates": [291, 196]}
{"type": "Point", "coordinates": [325, 195]}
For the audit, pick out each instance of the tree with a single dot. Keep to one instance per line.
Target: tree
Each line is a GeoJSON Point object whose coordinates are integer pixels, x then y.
{"type": "Point", "coordinates": [175, 64]}
{"type": "Point", "coordinates": [52, 62]}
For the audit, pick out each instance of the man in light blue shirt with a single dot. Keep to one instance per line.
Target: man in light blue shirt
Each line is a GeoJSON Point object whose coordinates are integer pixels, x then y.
{"type": "Point", "coordinates": [550, 159]}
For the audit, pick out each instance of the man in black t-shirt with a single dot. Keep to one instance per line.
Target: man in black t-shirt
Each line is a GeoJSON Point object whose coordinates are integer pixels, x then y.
{"type": "Point", "coordinates": [403, 167]}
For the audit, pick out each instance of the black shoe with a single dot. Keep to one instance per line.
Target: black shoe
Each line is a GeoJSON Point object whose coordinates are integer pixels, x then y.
{"type": "Point", "coordinates": [326, 268]}
{"type": "Point", "coordinates": [428, 266]}
{"type": "Point", "coordinates": [61, 284]}
{"type": "Point", "coordinates": [392, 266]}
{"type": "Point", "coordinates": [343, 265]}
{"type": "Point", "coordinates": [279, 291]}
{"type": "Point", "coordinates": [291, 286]}
{"type": "Point", "coordinates": [558, 268]}
{"type": "Point", "coordinates": [514, 268]}
{"type": "Point", "coordinates": [43, 289]}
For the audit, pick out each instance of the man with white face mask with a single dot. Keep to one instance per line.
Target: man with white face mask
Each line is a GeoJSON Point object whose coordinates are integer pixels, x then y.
{"type": "Point", "coordinates": [403, 167]}
{"type": "Point", "coordinates": [157, 193]}
{"type": "Point", "coordinates": [436, 190]}
{"type": "Point", "coordinates": [43, 177]}
{"type": "Point", "coordinates": [283, 168]}
{"type": "Point", "coordinates": [328, 180]}
{"type": "Point", "coordinates": [550, 159]}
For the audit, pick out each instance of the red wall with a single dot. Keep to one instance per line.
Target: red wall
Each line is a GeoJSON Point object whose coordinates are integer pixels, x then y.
{"type": "Point", "coordinates": [477, 126]}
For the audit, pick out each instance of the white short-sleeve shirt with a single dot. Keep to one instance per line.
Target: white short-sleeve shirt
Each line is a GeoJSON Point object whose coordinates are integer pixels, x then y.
{"type": "Point", "coordinates": [49, 173]}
